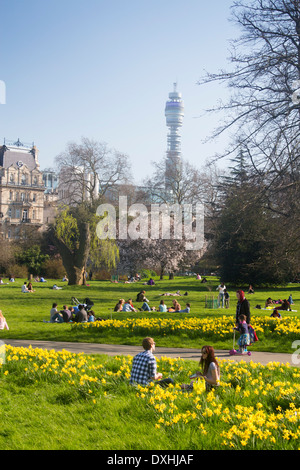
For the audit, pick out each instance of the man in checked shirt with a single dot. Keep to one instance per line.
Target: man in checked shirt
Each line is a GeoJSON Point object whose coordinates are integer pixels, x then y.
{"type": "Point", "coordinates": [144, 367]}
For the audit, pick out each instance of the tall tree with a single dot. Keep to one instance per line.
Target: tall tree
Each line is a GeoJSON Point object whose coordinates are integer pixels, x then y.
{"type": "Point", "coordinates": [88, 170]}
{"type": "Point", "coordinates": [263, 109]}
{"type": "Point", "coordinates": [74, 235]}
{"type": "Point", "coordinates": [266, 65]}
{"type": "Point", "coordinates": [251, 244]}
{"type": "Point", "coordinates": [175, 183]}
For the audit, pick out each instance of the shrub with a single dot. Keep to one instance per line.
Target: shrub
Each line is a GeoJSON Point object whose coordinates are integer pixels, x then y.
{"type": "Point", "coordinates": [54, 269]}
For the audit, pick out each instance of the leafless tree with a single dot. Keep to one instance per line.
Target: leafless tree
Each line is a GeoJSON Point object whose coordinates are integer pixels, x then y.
{"type": "Point", "coordinates": [88, 170]}
{"type": "Point", "coordinates": [263, 101]}
{"type": "Point", "coordinates": [173, 183]}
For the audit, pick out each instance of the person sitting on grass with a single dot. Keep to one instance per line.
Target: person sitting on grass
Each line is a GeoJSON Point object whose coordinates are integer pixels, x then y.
{"type": "Point", "coordinates": [275, 314]}
{"type": "Point", "coordinates": [91, 316]}
{"type": "Point", "coordinates": [30, 288]}
{"type": "Point", "coordinates": [66, 314]}
{"type": "Point", "coordinates": [210, 370]}
{"type": "Point", "coordinates": [119, 305]}
{"type": "Point", "coordinates": [55, 316]}
{"type": "Point", "coordinates": [128, 307]}
{"type": "Point", "coordinates": [141, 297]}
{"type": "Point", "coordinates": [269, 302]}
{"type": "Point", "coordinates": [176, 306]}
{"type": "Point", "coordinates": [145, 307]}
{"type": "Point", "coordinates": [81, 315]}
{"type": "Point", "coordinates": [3, 322]}
{"type": "Point", "coordinates": [75, 310]}
{"type": "Point", "coordinates": [284, 305]}
{"type": "Point", "coordinates": [187, 309]}
{"type": "Point", "coordinates": [144, 367]}
{"type": "Point", "coordinates": [24, 288]}
{"type": "Point", "coordinates": [162, 306]}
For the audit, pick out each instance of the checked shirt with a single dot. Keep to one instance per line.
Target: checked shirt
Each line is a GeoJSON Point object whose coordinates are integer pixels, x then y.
{"type": "Point", "coordinates": [143, 368]}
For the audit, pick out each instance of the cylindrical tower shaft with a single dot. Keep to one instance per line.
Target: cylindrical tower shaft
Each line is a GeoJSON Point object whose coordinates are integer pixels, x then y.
{"type": "Point", "coordinates": [174, 112]}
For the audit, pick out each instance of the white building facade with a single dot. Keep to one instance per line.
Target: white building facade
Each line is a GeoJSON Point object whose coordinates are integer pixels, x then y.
{"type": "Point", "coordinates": [21, 190]}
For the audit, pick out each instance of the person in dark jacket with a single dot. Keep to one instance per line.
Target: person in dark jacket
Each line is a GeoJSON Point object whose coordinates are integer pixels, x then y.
{"type": "Point", "coordinates": [243, 307]}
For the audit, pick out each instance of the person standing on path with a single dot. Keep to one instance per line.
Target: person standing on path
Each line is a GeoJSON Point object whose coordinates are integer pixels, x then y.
{"type": "Point", "coordinates": [242, 308]}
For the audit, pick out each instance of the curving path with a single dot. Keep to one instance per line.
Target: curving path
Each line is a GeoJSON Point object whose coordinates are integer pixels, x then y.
{"type": "Point", "coordinates": [185, 353]}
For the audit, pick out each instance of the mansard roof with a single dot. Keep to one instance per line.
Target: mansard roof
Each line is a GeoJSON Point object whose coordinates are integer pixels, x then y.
{"type": "Point", "coordinates": [18, 156]}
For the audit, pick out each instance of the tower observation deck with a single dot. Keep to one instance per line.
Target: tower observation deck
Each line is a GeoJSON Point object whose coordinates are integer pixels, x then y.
{"type": "Point", "coordinates": [174, 112]}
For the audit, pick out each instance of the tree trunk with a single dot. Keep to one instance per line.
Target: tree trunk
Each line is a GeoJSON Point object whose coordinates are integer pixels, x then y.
{"type": "Point", "coordinates": [75, 274]}
{"type": "Point", "coordinates": [74, 261]}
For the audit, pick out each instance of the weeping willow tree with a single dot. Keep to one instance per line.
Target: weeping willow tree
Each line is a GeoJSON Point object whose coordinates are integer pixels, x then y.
{"type": "Point", "coordinates": [74, 234]}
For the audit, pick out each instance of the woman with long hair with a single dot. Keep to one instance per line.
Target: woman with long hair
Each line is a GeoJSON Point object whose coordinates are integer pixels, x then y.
{"type": "Point", "coordinates": [210, 370]}
{"type": "Point", "coordinates": [210, 367]}
{"type": "Point", "coordinates": [3, 322]}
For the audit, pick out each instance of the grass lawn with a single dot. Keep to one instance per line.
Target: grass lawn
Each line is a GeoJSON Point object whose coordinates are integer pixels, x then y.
{"type": "Point", "coordinates": [62, 401]}
{"type": "Point", "coordinates": [25, 313]}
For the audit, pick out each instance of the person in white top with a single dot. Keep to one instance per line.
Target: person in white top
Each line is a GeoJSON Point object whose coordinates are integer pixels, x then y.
{"type": "Point", "coordinates": [3, 322]}
{"type": "Point", "coordinates": [24, 288]}
{"type": "Point", "coordinates": [221, 288]}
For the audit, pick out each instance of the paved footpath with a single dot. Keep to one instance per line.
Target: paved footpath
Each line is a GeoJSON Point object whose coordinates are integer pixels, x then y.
{"type": "Point", "coordinates": [125, 350]}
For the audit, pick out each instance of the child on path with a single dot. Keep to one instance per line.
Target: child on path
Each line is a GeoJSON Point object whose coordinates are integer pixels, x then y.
{"type": "Point", "coordinates": [244, 339]}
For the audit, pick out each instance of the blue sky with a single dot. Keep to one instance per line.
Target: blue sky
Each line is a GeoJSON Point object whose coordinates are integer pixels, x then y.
{"type": "Point", "coordinates": [103, 69]}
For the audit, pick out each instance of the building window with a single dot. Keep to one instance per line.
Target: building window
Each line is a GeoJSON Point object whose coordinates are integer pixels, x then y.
{"type": "Point", "coordinates": [23, 179]}
{"type": "Point", "coordinates": [17, 213]}
{"type": "Point", "coordinates": [25, 215]}
{"type": "Point", "coordinates": [11, 195]}
{"type": "Point", "coordinates": [22, 197]}
{"type": "Point", "coordinates": [9, 212]}
{"type": "Point", "coordinates": [33, 214]}
{"type": "Point", "coordinates": [9, 234]}
{"type": "Point", "coordinates": [33, 198]}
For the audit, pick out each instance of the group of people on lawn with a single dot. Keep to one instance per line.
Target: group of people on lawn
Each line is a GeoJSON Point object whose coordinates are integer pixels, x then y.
{"type": "Point", "coordinates": [279, 304]}
{"type": "Point", "coordinates": [127, 306]}
{"type": "Point", "coordinates": [77, 314]}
